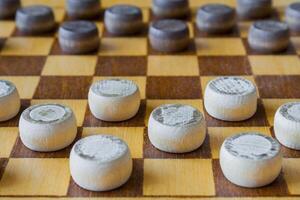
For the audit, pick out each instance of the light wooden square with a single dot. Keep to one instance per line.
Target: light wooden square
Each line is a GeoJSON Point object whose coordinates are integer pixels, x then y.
{"type": "Point", "coordinates": [244, 28]}
{"type": "Point", "coordinates": [152, 104]}
{"type": "Point", "coordinates": [146, 15]}
{"type": "Point", "coordinates": [133, 136]}
{"type": "Point", "coordinates": [26, 85]}
{"type": "Point", "coordinates": [100, 27]}
{"type": "Point", "coordinates": [139, 80]}
{"type": "Point", "coordinates": [51, 3]}
{"type": "Point", "coordinates": [296, 43]}
{"type": "Point", "coordinates": [8, 136]}
{"type": "Point", "coordinates": [271, 106]}
{"type": "Point", "coordinates": [123, 47]}
{"type": "Point", "coordinates": [27, 46]}
{"type": "Point", "coordinates": [220, 47]}
{"type": "Point", "coordinates": [178, 177]}
{"type": "Point", "coordinates": [70, 65]}
{"type": "Point", "coordinates": [140, 3]}
{"type": "Point", "coordinates": [282, 3]}
{"type": "Point", "coordinates": [198, 3]}
{"type": "Point", "coordinates": [59, 14]}
{"type": "Point", "coordinates": [291, 173]}
{"type": "Point", "coordinates": [173, 66]}
{"type": "Point", "coordinates": [7, 28]}
{"type": "Point", "coordinates": [78, 106]}
{"type": "Point", "coordinates": [275, 65]}
{"type": "Point", "coordinates": [217, 135]}
{"type": "Point", "coordinates": [35, 176]}
{"type": "Point", "coordinates": [206, 79]}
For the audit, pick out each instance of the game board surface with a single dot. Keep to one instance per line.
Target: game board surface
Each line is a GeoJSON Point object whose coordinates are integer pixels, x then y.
{"type": "Point", "coordinates": [42, 73]}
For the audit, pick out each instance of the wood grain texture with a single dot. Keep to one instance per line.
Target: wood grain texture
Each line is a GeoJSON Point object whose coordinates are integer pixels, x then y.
{"type": "Point", "coordinates": [43, 73]}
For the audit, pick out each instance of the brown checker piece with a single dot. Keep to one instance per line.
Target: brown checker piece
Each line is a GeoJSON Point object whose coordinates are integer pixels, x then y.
{"type": "Point", "coordinates": [158, 87]}
{"type": "Point", "coordinates": [232, 33]}
{"type": "Point", "coordinates": [289, 51]}
{"type": "Point", "coordinates": [56, 50]}
{"type": "Point", "coordinates": [18, 33]}
{"type": "Point", "coordinates": [142, 33]}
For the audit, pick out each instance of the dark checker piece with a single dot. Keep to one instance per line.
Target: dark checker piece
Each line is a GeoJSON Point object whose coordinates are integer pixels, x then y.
{"type": "Point", "coordinates": [249, 9]}
{"type": "Point", "coordinates": [8, 8]}
{"type": "Point", "coordinates": [170, 8]}
{"type": "Point", "coordinates": [83, 9]}
{"type": "Point", "coordinates": [215, 18]}
{"type": "Point", "coordinates": [269, 36]}
{"type": "Point", "coordinates": [78, 37]}
{"type": "Point", "coordinates": [169, 35]}
{"type": "Point", "coordinates": [292, 14]}
{"type": "Point", "coordinates": [123, 19]}
{"type": "Point", "coordinates": [35, 19]}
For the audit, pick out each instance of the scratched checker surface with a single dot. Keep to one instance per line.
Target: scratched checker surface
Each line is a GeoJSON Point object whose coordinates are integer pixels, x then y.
{"type": "Point", "coordinates": [42, 73]}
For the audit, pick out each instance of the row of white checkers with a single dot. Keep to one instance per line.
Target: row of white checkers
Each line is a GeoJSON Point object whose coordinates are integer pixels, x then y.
{"type": "Point", "coordinates": [103, 162]}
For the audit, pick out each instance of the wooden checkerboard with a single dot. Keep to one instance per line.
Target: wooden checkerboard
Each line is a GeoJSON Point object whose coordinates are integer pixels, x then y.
{"type": "Point", "coordinates": [42, 73]}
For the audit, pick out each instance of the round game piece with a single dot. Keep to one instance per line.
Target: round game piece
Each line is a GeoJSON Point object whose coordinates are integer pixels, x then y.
{"type": "Point", "coordinates": [215, 18]}
{"type": "Point", "coordinates": [170, 9]}
{"type": "Point", "coordinates": [292, 16]}
{"type": "Point", "coordinates": [8, 8]}
{"type": "Point", "coordinates": [176, 128]}
{"type": "Point", "coordinates": [114, 99]}
{"type": "Point", "coordinates": [169, 35]}
{"type": "Point", "coordinates": [123, 19]}
{"type": "Point", "coordinates": [35, 19]}
{"type": "Point", "coordinates": [249, 9]}
{"type": "Point", "coordinates": [287, 125]}
{"type": "Point", "coordinates": [100, 162]}
{"type": "Point", "coordinates": [47, 127]}
{"type": "Point", "coordinates": [78, 37]}
{"type": "Point", "coordinates": [268, 36]}
{"type": "Point", "coordinates": [9, 100]}
{"type": "Point", "coordinates": [230, 98]}
{"type": "Point", "coordinates": [83, 9]}
{"type": "Point", "coordinates": [250, 159]}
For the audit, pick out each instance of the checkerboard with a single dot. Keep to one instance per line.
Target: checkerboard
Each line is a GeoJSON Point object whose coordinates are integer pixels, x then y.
{"type": "Point", "coordinates": [43, 73]}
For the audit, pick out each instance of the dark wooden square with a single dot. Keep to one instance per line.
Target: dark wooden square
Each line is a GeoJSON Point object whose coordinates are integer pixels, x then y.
{"type": "Point", "coordinates": [63, 87]}
{"type": "Point", "coordinates": [224, 65]}
{"type": "Point", "coordinates": [142, 33]}
{"type": "Point", "coordinates": [21, 65]}
{"type": "Point", "coordinates": [173, 87]}
{"type": "Point", "coordinates": [121, 66]}
{"type": "Point", "coordinates": [278, 86]}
